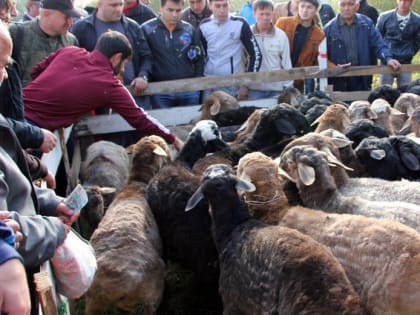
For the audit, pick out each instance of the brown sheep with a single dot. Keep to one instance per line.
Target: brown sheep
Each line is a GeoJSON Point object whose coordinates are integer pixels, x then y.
{"type": "Point", "coordinates": [336, 116]}
{"type": "Point", "coordinates": [217, 102]}
{"type": "Point", "coordinates": [385, 270]}
{"type": "Point", "coordinates": [127, 242]}
{"type": "Point", "coordinates": [385, 112]}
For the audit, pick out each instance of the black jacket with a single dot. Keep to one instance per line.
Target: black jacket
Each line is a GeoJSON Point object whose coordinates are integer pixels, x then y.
{"type": "Point", "coordinates": [176, 54]}
{"type": "Point", "coordinates": [85, 32]}
{"type": "Point", "coordinates": [141, 14]}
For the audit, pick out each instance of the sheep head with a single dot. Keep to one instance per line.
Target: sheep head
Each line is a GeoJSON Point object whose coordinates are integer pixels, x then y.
{"type": "Point", "coordinates": [149, 155]}
{"type": "Point", "coordinates": [268, 201]}
{"type": "Point", "coordinates": [216, 102]}
{"type": "Point", "coordinates": [336, 116]}
{"type": "Point", "coordinates": [361, 110]}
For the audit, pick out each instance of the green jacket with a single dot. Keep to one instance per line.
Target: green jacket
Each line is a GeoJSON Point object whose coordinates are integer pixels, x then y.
{"type": "Point", "coordinates": [31, 45]}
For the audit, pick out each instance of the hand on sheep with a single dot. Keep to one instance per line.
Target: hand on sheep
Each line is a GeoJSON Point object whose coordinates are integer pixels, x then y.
{"type": "Point", "coordinates": [242, 93]}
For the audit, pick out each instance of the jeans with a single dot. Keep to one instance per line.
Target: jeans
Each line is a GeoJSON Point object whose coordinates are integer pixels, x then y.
{"type": "Point", "coordinates": [309, 86]}
{"type": "Point", "coordinates": [175, 99]}
{"type": "Point", "coordinates": [257, 94]}
{"type": "Point", "coordinates": [403, 78]}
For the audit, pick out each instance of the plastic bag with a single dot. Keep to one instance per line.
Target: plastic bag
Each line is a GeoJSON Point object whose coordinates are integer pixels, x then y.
{"type": "Point", "coordinates": [74, 266]}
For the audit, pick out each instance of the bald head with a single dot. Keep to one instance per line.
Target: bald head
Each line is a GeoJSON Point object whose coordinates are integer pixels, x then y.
{"type": "Point", "coordinates": [5, 50]}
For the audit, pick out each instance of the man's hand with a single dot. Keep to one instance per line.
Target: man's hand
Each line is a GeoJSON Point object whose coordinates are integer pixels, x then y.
{"type": "Point", "coordinates": [138, 85]}
{"type": "Point", "coordinates": [14, 225]}
{"type": "Point", "coordinates": [178, 144]}
{"type": "Point", "coordinates": [242, 93]}
{"type": "Point", "coordinates": [50, 179]}
{"type": "Point", "coordinates": [65, 214]}
{"type": "Point", "coordinates": [394, 64]}
{"type": "Point", "coordinates": [14, 291]}
{"type": "Point", "coordinates": [49, 141]}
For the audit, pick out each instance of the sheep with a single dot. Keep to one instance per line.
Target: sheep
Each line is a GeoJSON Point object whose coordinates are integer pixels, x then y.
{"type": "Point", "coordinates": [385, 92]}
{"type": "Point", "coordinates": [412, 125]}
{"type": "Point", "coordinates": [381, 159]}
{"type": "Point", "coordinates": [359, 130]}
{"type": "Point", "coordinates": [384, 112]}
{"type": "Point", "coordinates": [315, 112]}
{"type": "Point", "coordinates": [336, 116]}
{"type": "Point", "coordinates": [291, 96]}
{"type": "Point", "coordinates": [406, 103]}
{"type": "Point", "coordinates": [103, 172]}
{"type": "Point", "coordinates": [361, 110]}
{"type": "Point", "coordinates": [248, 127]}
{"type": "Point", "coordinates": [310, 169]}
{"type": "Point", "coordinates": [387, 280]}
{"type": "Point", "coordinates": [409, 153]}
{"type": "Point", "coordinates": [127, 243]}
{"type": "Point", "coordinates": [269, 269]}
{"type": "Point", "coordinates": [217, 102]}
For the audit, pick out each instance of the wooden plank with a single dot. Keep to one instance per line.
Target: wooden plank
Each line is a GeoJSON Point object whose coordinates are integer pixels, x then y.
{"type": "Point", "coordinates": [349, 96]}
{"type": "Point", "coordinates": [103, 124]}
{"type": "Point", "coordinates": [202, 83]}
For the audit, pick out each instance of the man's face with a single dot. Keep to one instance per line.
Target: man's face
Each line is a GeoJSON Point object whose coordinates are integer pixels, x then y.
{"type": "Point", "coordinates": [5, 55]}
{"type": "Point", "coordinates": [404, 5]}
{"type": "Point", "coordinates": [58, 22]}
{"type": "Point", "coordinates": [171, 13]}
{"type": "Point", "coordinates": [110, 10]}
{"type": "Point", "coordinates": [5, 16]}
{"type": "Point", "coordinates": [307, 11]}
{"type": "Point", "coordinates": [263, 17]}
{"type": "Point", "coordinates": [220, 9]}
{"type": "Point", "coordinates": [348, 8]}
{"type": "Point", "coordinates": [197, 6]}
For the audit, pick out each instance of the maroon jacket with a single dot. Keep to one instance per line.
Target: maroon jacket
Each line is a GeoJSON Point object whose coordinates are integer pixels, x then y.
{"type": "Point", "coordinates": [71, 82]}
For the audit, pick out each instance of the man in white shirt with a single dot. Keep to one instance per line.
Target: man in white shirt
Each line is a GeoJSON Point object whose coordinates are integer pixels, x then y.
{"type": "Point", "coordinates": [274, 47]}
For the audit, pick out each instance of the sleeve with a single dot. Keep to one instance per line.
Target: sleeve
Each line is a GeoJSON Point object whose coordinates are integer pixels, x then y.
{"type": "Point", "coordinates": [41, 236]}
{"type": "Point", "coordinates": [379, 45]}
{"type": "Point", "coordinates": [145, 54]}
{"type": "Point", "coordinates": [251, 47]}
{"type": "Point", "coordinates": [201, 40]}
{"type": "Point", "coordinates": [47, 201]}
{"type": "Point", "coordinates": [36, 168]}
{"type": "Point", "coordinates": [199, 64]}
{"type": "Point", "coordinates": [123, 103]}
{"type": "Point", "coordinates": [29, 136]}
{"type": "Point", "coordinates": [286, 62]}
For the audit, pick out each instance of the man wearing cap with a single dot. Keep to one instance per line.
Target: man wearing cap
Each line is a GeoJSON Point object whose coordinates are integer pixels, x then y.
{"type": "Point", "coordinates": [34, 40]}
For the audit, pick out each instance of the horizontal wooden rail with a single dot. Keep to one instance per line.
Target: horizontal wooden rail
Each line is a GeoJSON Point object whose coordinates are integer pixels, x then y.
{"type": "Point", "coordinates": [202, 83]}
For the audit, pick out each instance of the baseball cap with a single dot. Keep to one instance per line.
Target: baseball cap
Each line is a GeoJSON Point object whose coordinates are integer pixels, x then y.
{"type": "Point", "coordinates": [64, 6]}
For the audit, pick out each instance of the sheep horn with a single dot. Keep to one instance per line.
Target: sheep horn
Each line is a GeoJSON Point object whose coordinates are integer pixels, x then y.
{"type": "Point", "coordinates": [159, 151]}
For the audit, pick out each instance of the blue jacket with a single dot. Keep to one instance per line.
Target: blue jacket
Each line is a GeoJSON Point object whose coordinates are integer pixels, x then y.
{"type": "Point", "coordinates": [405, 43]}
{"type": "Point", "coordinates": [370, 45]}
{"type": "Point", "coordinates": [7, 246]}
{"type": "Point", "coordinates": [85, 32]}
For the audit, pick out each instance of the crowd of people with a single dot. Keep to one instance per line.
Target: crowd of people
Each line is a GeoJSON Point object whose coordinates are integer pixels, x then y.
{"type": "Point", "coordinates": [60, 63]}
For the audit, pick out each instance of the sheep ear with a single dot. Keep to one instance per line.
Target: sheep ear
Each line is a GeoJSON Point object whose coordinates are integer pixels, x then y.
{"type": "Point", "coordinates": [316, 121]}
{"type": "Point", "coordinates": [159, 151]}
{"type": "Point", "coordinates": [410, 161]}
{"type": "Point", "coordinates": [341, 143]}
{"type": "Point", "coordinates": [243, 185]}
{"type": "Point", "coordinates": [372, 115]}
{"type": "Point", "coordinates": [215, 108]}
{"type": "Point", "coordinates": [377, 154]}
{"type": "Point", "coordinates": [194, 199]}
{"type": "Point", "coordinates": [284, 126]}
{"type": "Point", "coordinates": [406, 128]}
{"type": "Point", "coordinates": [333, 161]}
{"type": "Point", "coordinates": [306, 174]}
{"type": "Point", "coordinates": [396, 112]}
{"type": "Point", "coordinates": [284, 174]}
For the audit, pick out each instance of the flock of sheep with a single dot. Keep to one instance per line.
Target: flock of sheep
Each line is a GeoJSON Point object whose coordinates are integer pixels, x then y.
{"type": "Point", "coordinates": [306, 207]}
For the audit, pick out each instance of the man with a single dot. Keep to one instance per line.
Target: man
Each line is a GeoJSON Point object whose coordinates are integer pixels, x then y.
{"type": "Point", "coordinates": [51, 100]}
{"type": "Point", "coordinates": [304, 38]}
{"type": "Point", "coordinates": [11, 101]}
{"type": "Point", "coordinates": [368, 10]}
{"type": "Point", "coordinates": [33, 40]}
{"type": "Point", "coordinates": [275, 50]}
{"type": "Point", "coordinates": [109, 16]}
{"type": "Point", "coordinates": [137, 11]}
{"type": "Point", "coordinates": [176, 53]}
{"type": "Point", "coordinates": [400, 29]}
{"type": "Point", "coordinates": [353, 40]}
{"type": "Point", "coordinates": [226, 40]}
{"type": "Point", "coordinates": [32, 10]}
{"type": "Point", "coordinates": [288, 8]}
{"type": "Point", "coordinates": [14, 291]}
{"type": "Point", "coordinates": [196, 12]}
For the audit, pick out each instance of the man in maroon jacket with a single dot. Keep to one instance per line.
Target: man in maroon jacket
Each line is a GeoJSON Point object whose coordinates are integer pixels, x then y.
{"type": "Point", "coordinates": [72, 81]}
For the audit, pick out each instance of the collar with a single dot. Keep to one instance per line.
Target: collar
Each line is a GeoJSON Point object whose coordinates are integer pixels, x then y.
{"type": "Point", "coordinates": [255, 30]}
{"type": "Point", "coordinates": [341, 21]}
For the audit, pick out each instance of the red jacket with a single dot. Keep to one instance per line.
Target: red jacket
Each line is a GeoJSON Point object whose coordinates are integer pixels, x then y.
{"type": "Point", "coordinates": [71, 82]}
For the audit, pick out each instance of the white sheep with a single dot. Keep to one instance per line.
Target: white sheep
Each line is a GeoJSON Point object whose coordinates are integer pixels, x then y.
{"type": "Point", "coordinates": [127, 243]}
{"type": "Point", "coordinates": [384, 113]}
{"type": "Point", "coordinates": [310, 169]}
{"type": "Point", "coordinates": [380, 257]}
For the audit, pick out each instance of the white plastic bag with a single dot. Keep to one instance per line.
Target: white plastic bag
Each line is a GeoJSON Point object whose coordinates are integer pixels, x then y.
{"type": "Point", "coordinates": [74, 266]}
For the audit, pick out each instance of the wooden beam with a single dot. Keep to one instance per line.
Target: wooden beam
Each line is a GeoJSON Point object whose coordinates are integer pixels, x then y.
{"type": "Point", "coordinates": [202, 83]}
